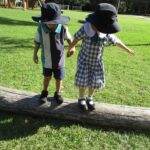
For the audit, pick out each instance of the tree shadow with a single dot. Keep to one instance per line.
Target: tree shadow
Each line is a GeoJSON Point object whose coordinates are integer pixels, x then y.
{"type": "Point", "coordinates": [146, 44]}
{"type": "Point", "coordinates": [12, 43]}
{"type": "Point", "coordinates": [15, 126]}
{"type": "Point", "coordinates": [11, 22]}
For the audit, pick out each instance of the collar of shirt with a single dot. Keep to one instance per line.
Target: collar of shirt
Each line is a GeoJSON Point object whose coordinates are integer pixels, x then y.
{"type": "Point", "coordinates": [47, 30]}
{"type": "Point", "coordinates": [90, 32]}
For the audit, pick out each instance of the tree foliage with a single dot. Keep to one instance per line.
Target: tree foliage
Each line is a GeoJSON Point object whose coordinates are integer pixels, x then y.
{"type": "Point", "coordinates": [123, 6]}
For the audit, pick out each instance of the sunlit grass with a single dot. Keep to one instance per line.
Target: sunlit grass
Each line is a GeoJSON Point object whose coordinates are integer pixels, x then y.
{"type": "Point", "coordinates": [127, 82]}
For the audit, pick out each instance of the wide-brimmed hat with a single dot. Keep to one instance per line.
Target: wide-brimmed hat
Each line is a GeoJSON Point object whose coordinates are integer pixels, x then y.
{"type": "Point", "coordinates": [104, 18]}
{"type": "Point", "coordinates": [51, 14]}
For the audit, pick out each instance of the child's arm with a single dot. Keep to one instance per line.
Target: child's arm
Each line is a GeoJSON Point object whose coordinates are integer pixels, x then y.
{"type": "Point", "coordinates": [37, 44]}
{"type": "Point", "coordinates": [79, 35]}
{"type": "Point", "coordinates": [35, 56]}
{"type": "Point", "coordinates": [72, 49]}
{"type": "Point", "coordinates": [69, 39]}
{"type": "Point", "coordinates": [120, 44]}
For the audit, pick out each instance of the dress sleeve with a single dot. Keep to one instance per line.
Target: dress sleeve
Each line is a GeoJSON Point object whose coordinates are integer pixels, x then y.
{"type": "Point", "coordinates": [80, 34]}
{"type": "Point", "coordinates": [112, 39]}
{"type": "Point", "coordinates": [67, 34]}
{"type": "Point", "coordinates": [37, 35]}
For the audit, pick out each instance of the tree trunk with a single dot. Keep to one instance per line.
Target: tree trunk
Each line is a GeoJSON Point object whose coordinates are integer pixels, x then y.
{"type": "Point", "coordinates": [118, 5]}
{"type": "Point", "coordinates": [27, 4]}
{"type": "Point", "coordinates": [4, 3]}
{"type": "Point", "coordinates": [109, 115]}
{"type": "Point", "coordinates": [31, 3]}
{"type": "Point", "coordinates": [11, 3]}
{"type": "Point", "coordinates": [146, 8]}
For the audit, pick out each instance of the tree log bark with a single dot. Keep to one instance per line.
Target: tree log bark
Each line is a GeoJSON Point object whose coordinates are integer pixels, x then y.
{"type": "Point", "coordinates": [108, 115]}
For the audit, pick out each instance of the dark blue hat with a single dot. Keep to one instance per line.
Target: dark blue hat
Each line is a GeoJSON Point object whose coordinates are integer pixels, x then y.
{"type": "Point", "coordinates": [104, 18]}
{"type": "Point", "coordinates": [51, 14]}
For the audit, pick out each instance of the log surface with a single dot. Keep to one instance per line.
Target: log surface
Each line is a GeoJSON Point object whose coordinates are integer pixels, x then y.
{"type": "Point", "coordinates": [110, 115]}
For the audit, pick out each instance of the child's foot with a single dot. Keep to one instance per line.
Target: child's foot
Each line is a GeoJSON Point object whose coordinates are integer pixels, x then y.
{"type": "Point", "coordinates": [90, 104]}
{"type": "Point", "coordinates": [59, 99]}
{"type": "Point", "coordinates": [43, 96]}
{"type": "Point", "coordinates": [82, 104]}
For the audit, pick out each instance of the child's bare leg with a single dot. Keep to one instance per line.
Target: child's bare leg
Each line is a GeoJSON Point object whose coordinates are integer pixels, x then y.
{"type": "Point", "coordinates": [57, 94]}
{"type": "Point", "coordinates": [91, 92]}
{"type": "Point", "coordinates": [89, 101]}
{"type": "Point", "coordinates": [81, 100]}
{"type": "Point", "coordinates": [44, 93]}
{"type": "Point", "coordinates": [81, 92]}
{"type": "Point", "coordinates": [58, 85]}
{"type": "Point", "coordinates": [46, 83]}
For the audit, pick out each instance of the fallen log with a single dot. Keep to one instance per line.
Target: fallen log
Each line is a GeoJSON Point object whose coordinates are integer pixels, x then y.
{"type": "Point", "coordinates": [108, 115]}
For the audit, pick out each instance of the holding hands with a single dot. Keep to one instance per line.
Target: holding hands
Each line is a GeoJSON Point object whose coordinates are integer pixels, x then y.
{"type": "Point", "coordinates": [72, 48]}
{"type": "Point", "coordinates": [71, 52]}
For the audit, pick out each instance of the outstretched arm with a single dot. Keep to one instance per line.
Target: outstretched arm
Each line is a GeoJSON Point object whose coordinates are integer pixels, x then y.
{"type": "Point", "coordinates": [120, 44]}
{"type": "Point", "coordinates": [71, 49]}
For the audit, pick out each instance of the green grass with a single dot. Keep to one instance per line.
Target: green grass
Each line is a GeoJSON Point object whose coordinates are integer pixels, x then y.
{"type": "Point", "coordinates": [127, 82]}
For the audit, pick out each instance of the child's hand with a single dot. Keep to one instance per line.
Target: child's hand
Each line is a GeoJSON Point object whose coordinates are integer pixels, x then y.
{"type": "Point", "coordinates": [70, 52]}
{"type": "Point", "coordinates": [35, 58]}
{"type": "Point", "coordinates": [131, 52]}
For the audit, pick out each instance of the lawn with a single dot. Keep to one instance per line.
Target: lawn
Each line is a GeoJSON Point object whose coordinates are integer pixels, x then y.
{"type": "Point", "coordinates": [127, 82]}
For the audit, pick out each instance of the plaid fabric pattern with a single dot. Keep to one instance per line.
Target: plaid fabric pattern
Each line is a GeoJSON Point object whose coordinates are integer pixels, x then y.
{"type": "Point", "coordinates": [90, 68]}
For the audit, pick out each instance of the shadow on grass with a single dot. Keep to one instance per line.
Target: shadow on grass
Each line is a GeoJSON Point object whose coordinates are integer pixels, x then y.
{"type": "Point", "coordinates": [146, 44]}
{"type": "Point", "coordinates": [12, 43]}
{"type": "Point", "coordinates": [11, 22]}
{"type": "Point", "coordinates": [15, 126]}
{"type": "Point", "coordinates": [9, 44]}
